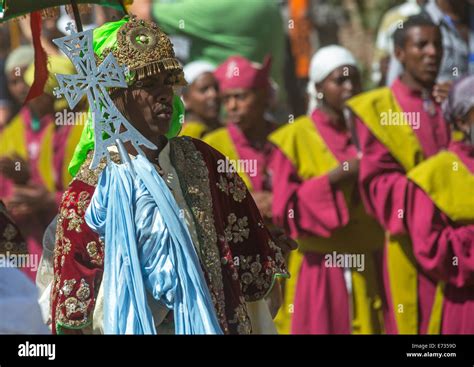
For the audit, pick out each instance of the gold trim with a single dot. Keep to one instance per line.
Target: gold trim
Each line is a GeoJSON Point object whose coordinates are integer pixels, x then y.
{"type": "Point", "coordinates": [194, 180]}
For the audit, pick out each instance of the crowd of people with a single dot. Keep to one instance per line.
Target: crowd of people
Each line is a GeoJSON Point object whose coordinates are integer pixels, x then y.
{"type": "Point", "coordinates": [338, 211]}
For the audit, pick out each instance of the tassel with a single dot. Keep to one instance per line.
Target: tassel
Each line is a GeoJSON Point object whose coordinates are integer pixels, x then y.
{"type": "Point", "coordinates": [83, 9]}
{"type": "Point", "coordinates": [157, 67]}
{"type": "Point", "coordinates": [49, 13]}
{"type": "Point", "coordinates": [41, 69]}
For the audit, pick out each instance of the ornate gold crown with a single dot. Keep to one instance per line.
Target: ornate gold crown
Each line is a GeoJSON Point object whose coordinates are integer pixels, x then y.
{"type": "Point", "coordinates": [146, 50]}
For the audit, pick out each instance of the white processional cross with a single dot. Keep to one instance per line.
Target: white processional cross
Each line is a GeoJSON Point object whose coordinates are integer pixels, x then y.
{"type": "Point", "coordinates": [110, 126]}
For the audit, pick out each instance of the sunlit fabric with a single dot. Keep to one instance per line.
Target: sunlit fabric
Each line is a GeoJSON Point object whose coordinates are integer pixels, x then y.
{"type": "Point", "coordinates": [147, 248]}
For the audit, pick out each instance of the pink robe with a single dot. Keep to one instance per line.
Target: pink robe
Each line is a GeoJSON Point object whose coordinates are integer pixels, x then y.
{"type": "Point", "coordinates": [261, 180]}
{"type": "Point", "coordinates": [321, 304]}
{"type": "Point", "coordinates": [436, 241]}
{"type": "Point", "coordinates": [384, 187]}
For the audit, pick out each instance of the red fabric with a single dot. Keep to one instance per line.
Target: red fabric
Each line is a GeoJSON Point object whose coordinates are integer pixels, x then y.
{"type": "Point", "coordinates": [382, 178]}
{"type": "Point", "coordinates": [318, 208]}
{"type": "Point", "coordinates": [246, 150]}
{"type": "Point", "coordinates": [238, 72]}
{"type": "Point", "coordinates": [338, 140]}
{"type": "Point", "coordinates": [384, 187]}
{"type": "Point", "coordinates": [321, 299]}
{"type": "Point", "coordinates": [256, 245]}
{"type": "Point", "coordinates": [77, 264]}
{"type": "Point", "coordinates": [235, 257]}
{"type": "Point", "coordinates": [41, 68]}
{"type": "Point", "coordinates": [437, 241]}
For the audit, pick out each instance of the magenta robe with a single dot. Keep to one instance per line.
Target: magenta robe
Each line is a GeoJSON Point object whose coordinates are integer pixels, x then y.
{"type": "Point", "coordinates": [436, 241]}
{"type": "Point", "coordinates": [384, 187]}
{"type": "Point", "coordinates": [239, 260]}
{"type": "Point", "coordinates": [321, 304]}
{"type": "Point", "coordinates": [261, 181]}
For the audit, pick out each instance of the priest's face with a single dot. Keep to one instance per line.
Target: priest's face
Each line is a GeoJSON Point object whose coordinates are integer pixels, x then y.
{"type": "Point", "coordinates": [148, 104]}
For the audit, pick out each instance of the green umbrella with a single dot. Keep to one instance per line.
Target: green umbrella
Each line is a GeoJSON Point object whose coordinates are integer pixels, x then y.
{"type": "Point", "coordinates": [10, 9]}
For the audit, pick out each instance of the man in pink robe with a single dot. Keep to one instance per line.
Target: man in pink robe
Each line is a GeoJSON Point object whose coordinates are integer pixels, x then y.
{"type": "Point", "coordinates": [245, 91]}
{"type": "Point", "coordinates": [442, 246]}
{"type": "Point", "coordinates": [382, 177]}
{"type": "Point", "coordinates": [437, 241]}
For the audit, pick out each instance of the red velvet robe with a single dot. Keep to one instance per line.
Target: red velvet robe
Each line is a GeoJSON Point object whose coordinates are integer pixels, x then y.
{"type": "Point", "coordinates": [238, 255]}
{"type": "Point", "coordinates": [11, 240]}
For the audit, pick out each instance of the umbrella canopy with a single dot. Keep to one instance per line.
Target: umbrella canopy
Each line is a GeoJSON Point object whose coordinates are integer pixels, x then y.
{"type": "Point", "coordinates": [10, 9]}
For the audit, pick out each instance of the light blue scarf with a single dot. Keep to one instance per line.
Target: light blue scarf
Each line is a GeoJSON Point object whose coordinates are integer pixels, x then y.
{"type": "Point", "coordinates": [147, 248]}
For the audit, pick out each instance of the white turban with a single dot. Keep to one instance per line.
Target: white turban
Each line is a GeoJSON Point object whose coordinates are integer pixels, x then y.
{"type": "Point", "coordinates": [323, 63]}
{"type": "Point", "coordinates": [196, 68]}
{"type": "Point", "coordinates": [20, 56]}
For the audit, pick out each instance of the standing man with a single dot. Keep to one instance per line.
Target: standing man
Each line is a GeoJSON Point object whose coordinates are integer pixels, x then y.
{"type": "Point", "coordinates": [399, 127]}
{"type": "Point", "coordinates": [454, 19]}
{"type": "Point", "coordinates": [245, 92]}
{"type": "Point", "coordinates": [440, 218]}
{"type": "Point", "coordinates": [220, 218]}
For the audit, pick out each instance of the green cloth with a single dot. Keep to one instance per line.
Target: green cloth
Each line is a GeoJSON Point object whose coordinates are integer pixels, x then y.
{"type": "Point", "coordinates": [105, 36]}
{"type": "Point", "coordinates": [218, 29]}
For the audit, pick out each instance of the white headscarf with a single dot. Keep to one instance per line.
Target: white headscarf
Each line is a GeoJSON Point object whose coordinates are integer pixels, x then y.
{"type": "Point", "coordinates": [323, 63]}
{"type": "Point", "coordinates": [196, 68]}
{"type": "Point", "coordinates": [20, 56]}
